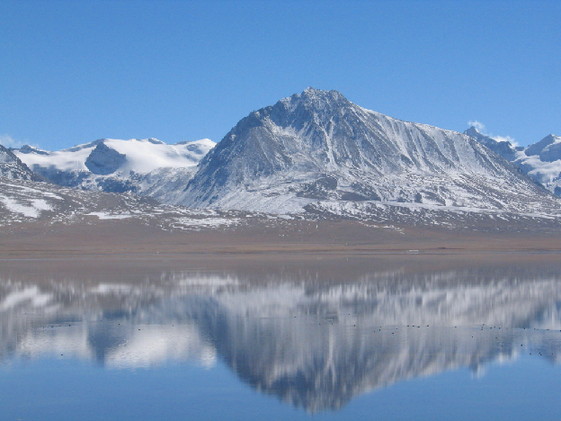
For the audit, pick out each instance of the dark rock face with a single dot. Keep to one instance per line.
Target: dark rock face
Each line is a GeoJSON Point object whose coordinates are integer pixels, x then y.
{"type": "Point", "coordinates": [26, 149]}
{"type": "Point", "coordinates": [548, 149]}
{"type": "Point", "coordinates": [104, 160]}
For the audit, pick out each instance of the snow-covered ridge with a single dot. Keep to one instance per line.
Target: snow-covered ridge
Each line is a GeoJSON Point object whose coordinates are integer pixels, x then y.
{"type": "Point", "coordinates": [540, 161]}
{"type": "Point", "coordinates": [142, 166]}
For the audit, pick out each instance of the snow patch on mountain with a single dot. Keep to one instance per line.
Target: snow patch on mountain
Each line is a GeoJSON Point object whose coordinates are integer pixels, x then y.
{"type": "Point", "coordinates": [30, 208]}
{"type": "Point", "coordinates": [24, 201]}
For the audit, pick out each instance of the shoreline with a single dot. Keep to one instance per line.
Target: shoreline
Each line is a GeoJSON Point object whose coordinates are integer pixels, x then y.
{"type": "Point", "coordinates": [113, 240]}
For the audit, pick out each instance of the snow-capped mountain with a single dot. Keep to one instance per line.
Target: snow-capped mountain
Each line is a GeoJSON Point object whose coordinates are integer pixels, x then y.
{"type": "Point", "coordinates": [540, 161]}
{"type": "Point", "coordinates": [502, 148]}
{"type": "Point", "coordinates": [142, 166]}
{"type": "Point", "coordinates": [548, 149]}
{"type": "Point", "coordinates": [11, 166]}
{"type": "Point", "coordinates": [319, 152]}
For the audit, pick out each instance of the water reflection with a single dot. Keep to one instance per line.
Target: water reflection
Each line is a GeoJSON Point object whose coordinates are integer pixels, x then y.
{"type": "Point", "coordinates": [314, 343]}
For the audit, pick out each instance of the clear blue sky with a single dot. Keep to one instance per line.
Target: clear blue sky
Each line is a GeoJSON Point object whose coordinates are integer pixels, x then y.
{"type": "Point", "coordinates": [75, 71]}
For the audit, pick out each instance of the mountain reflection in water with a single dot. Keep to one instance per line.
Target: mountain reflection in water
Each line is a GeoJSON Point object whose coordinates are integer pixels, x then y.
{"type": "Point", "coordinates": [315, 344]}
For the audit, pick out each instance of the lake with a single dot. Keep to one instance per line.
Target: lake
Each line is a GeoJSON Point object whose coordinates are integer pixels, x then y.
{"type": "Point", "coordinates": [402, 337]}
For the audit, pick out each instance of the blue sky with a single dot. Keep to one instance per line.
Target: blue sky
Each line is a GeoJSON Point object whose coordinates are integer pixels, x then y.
{"type": "Point", "coordinates": [75, 71]}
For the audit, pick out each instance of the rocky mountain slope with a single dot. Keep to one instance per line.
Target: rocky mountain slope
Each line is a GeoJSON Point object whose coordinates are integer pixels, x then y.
{"type": "Point", "coordinates": [12, 167]}
{"type": "Point", "coordinates": [540, 161]}
{"type": "Point", "coordinates": [504, 149]}
{"type": "Point", "coordinates": [316, 151]}
{"type": "Point", "coordinates": [23, 201]}
{"type": "Point", "coordinates": [147, 167]}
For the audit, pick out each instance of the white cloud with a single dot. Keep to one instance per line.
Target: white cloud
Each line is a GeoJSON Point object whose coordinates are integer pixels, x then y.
{"type": "Point", "coordinates": [9, 142]}
{"type": "Point", "coordinates": [478, 125]}
{"type": "Point", "coordinates": [483, 130]}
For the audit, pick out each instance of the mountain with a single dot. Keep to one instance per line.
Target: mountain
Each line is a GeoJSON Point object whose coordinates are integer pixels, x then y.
{"type": "Point", "coordinates": [147, 167]}
{"type": "Point", "coordinates": [316, 151]}
{"type": "Point", "coordinates": [540, 161]}
{"type": "Point", "coordinates": [23, 201]}
{"type": "Point", "coordinates": [504, 149]}
{"type": "Point", "coordinates": [548, 149]}
{"type": "Point", "coordinates": [12, 167]}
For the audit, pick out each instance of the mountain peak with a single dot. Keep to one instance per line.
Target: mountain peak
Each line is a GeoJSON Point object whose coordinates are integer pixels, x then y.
{"type": "Point", "coordinates": [315, 101]}
{"type": "Point", "coordinates": [31, 149]}
{"type": "Point", "coordinates": [548, 149]}
{"type": "Point", "coordinates": [322, 93]}
{"type": "Point", "coordinates": [552, 137]}
{"type": "Point", "coordinates": [319, 95]}
{"type": "Point", "coordinates": [12, 167]}
{"type": "Point", "coordinates": [501, 147]}
{"type": "Point", "coordinates": [472, 131]}
{"type": "Point", "coordinates": [541, 147]}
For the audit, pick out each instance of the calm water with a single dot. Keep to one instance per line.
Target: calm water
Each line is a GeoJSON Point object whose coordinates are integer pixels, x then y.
{"type": "Point", "coordinates": [322, 340]}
